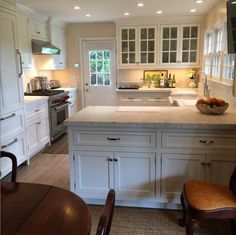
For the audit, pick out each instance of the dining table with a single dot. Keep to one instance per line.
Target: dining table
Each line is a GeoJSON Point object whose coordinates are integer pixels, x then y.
{"type": "Point", "coordinates": [39, 209]}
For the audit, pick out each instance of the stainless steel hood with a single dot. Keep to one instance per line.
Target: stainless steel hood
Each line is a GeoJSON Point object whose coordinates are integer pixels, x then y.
{"type": "Point", "coordinates": [44, 48]}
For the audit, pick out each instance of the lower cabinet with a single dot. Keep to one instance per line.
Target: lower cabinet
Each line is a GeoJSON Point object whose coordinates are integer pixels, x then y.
{"type": "Point", "coordinates": [179, 168]}
{"type": "Point", "coordinates": [15, 145]}
{"type": "Point", "coordinates": [130, 174]}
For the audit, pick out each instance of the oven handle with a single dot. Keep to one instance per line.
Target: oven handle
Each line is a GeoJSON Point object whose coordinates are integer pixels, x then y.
{"type": "Point", "coordinates": [62, 106]}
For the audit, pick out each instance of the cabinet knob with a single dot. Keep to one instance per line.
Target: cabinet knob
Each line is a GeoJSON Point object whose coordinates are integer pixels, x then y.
{"type": "Point", "coordinates": [115, 160]}
{"type": "Point", "coordinates": [206, 141]}
{"type": "Point", "coordinates": [109, 159]}
{"type": "Point", "coordinates": [38, 32]}
{"type": "Point", "coordinates": [208, 164]}
{"type": "Point", "coordinates": [36, 110]}
{"type": "Point", "coordinates": [203, 163]}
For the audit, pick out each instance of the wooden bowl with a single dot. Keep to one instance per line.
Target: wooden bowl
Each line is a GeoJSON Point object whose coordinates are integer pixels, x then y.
{"type": "Point", "coordinates": [212, 109]}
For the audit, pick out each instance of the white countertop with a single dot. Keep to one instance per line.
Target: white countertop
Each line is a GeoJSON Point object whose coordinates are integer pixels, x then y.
{"type": "Point", "coordinates": [184, 116]}
{"type": "Point", "coordinates": [67, 88]}
{"type": "Point", "coordinates": [30, 101]}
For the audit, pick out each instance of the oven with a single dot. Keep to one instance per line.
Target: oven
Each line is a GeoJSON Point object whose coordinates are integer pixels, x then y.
{"type": "Point", "coordinates": [58, 114]}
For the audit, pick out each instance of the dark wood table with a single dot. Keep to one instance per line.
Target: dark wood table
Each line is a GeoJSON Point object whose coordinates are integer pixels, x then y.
{"type": "Point", "coordinates": [37, 209]}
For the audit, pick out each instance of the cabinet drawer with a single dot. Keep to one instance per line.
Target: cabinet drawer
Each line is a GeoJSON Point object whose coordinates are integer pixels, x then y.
{"type": "Point", "coordinates": [124, 139]}
{"type": "Point", "coordinates": [16, 146]}
{"type": "Point", "coordinates": [12, 124]}
{"type": "Point", "coordinates": [201, 141]}
{"type": "Point", "coordinates": [157, 96]}
{"type": "Point", "coordinates": [38, 112]}
{"type": "Point", "coordinates": [131, 98]}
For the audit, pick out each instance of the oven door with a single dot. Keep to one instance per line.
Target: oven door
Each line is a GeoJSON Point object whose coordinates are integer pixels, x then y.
{"type": "Point", "coordinates": [59, 114]}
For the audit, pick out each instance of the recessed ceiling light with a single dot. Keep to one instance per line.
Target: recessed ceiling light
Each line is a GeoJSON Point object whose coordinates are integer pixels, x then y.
{"type": "Point", "coordinates": [199, 1]}
{"type": "Point", "coordinates": [76, 7]}
{"type": "Point", "coordinates": [159, 12]}
{"type": "Point", "coordinates": [87, 15]}
{"type": "Point", "coordinates": [126, 14]}
{"type": "Point", "coordinates": [193, 10]}
{"type": "Point", "coordinates": [140, 4]}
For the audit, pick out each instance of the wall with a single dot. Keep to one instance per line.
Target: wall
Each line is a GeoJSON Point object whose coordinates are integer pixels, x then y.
{"type": "Point", "coordinates": [74, 33]}
{"type": "Point", "coordinates": [220, 90]}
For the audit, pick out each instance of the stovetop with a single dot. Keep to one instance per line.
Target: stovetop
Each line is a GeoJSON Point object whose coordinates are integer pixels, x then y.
{"type": "Point", "coordinates": [44, 92]}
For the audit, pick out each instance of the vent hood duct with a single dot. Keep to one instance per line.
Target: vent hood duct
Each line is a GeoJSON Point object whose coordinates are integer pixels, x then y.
{"type": "Point", "coordinates": [44, 48]}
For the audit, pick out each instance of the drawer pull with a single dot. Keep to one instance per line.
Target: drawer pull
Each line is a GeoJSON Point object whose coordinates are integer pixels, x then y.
{"type": "Point", "coordinates": [113, 139]}
{"type": "Point", "coordinates": [38, 123]}
{"type": "Point", "coordinates": [208, 163]}
{"type": "Point", "coordinates": [36, 110]}
{"type": "Point", "coordinates": [109, 159]}
{"type": "Point", "coordinates": [115, 160]}
{"type": "Point", "coordinates": [206, 141]}
{"type": "Point", "coordinates": [9, 144]}
{"type": "Point", "coordinates": [131, 98]}
{"type": "Point", "coordinates": [203, 163]}
{"type": "Point", "coordinates": [10, 116]}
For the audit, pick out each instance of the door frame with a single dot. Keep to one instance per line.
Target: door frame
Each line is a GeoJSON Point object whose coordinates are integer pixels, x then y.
{"type": "Point", "coordinates": [82, 40]}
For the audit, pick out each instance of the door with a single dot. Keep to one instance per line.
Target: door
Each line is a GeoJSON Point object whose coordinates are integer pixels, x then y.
{"type": "Point", "coordinates": [99, 72]}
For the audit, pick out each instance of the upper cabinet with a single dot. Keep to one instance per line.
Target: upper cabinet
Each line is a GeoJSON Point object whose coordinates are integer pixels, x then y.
{"type": "Point", "coordinates": [137, 46]}
{"type": "Point", "coordinates": [180, 45]}
{"type": "Point", "coordinates": [58, 40]}
{"type": "Point", "coordinates": [24, 39]}
{"type": "Point", "coordinates": [39, 27]}
{"type": "Point", "coordinates": [160, 45]}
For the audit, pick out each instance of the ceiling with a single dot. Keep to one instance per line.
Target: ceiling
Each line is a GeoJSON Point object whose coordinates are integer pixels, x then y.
{"type": "Point", "coordinates": [111, 10]}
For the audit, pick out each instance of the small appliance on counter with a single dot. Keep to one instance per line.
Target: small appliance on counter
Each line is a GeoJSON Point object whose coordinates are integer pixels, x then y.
{"type": "Point", "coordinates": [53, 84]}
{"type": "Point", "coordinates": [129, 85]}
{"type": "Point", "coordinates": [38, 83]}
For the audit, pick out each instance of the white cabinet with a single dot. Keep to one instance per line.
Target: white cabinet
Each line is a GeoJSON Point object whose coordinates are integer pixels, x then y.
{"type": "Point", "coordinates": [137, 46]}
{"type": "Point", "coordinates": [130, 174]}
{"type": "Point", "coordinates": [37, 128]}
{"type": "Point", "coordinates": [11, 92]}
{"type": "Point", "coordinates": [73, 96]}
{"type": "Point", "coordinates": [39, 27]}
{"type": "Point", "coordinates": [24, 39]}
{"type": "Point", "coordinates": [58, 40]}
{"type": "Point", "coordinates": [180, 45]}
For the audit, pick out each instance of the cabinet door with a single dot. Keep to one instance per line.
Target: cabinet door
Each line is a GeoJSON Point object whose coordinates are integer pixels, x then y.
{"type": "Point", "coordinates": [93, 174]}
{"type": "Point", "coordinates": [147, 45]}
{"type": "Point", "coordinates": [39, 29]}
{"type": "Point", "coordinates": [128, 46]}
{"type": "Point", "coordinates": [43, 130]}
{"type": "Point", "coordinates": [134, 174]}
{"type": "Point", "coordinates": [169, 44]}
{"type": "Point", "coordinates": [11, 94]}
{"type": "Point", "coordinates": [16, 146]}
{"type": "Point", "coordinates": [24, 40]}
{"type": "Point", "coordinates": [219, 168]}
{"type": "Point", "coordinates": [32, 138]}
{"type": "Point", "coordinates": [178, 169]}
{"type": "Point", "coordinates": [190, 44]}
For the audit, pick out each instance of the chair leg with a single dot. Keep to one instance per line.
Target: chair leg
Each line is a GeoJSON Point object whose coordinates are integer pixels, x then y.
{"type": "Point", "coordinates": [191, 224]}
{"type": "Point", "coordinates": [182, 221]}
{"type": "Point", "coordinates": [233, 226]}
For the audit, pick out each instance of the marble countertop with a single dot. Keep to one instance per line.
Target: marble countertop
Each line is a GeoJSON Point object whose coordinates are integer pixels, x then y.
{"type": "Point", "coordinates": [30, 101]}
{"type": "Point", "coordinates": [183, 116]}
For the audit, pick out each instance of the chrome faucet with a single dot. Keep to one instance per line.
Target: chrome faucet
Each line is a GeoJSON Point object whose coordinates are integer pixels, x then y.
{"type": "Point", "coordinates": [206, 90]}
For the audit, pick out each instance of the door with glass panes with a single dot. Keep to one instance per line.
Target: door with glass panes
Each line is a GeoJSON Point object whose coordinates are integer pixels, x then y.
{"type": "Point", "coordinates": [99, 72]}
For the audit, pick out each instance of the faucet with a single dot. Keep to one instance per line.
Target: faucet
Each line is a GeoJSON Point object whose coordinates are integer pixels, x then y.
{"type": "Point", "coordinates": [206, 90]}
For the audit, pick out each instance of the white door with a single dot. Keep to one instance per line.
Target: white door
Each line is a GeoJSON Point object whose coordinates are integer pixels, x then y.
{"type": "Point", "coordinates": [99, 72]}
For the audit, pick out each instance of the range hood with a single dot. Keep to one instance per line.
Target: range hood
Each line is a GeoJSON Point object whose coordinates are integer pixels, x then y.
{"type": "Point", "coordinates": [44, 48]}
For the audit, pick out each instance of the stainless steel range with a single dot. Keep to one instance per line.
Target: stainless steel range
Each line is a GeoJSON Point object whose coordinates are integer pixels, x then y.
{"type": "Point", "coordinates": [58, 110]}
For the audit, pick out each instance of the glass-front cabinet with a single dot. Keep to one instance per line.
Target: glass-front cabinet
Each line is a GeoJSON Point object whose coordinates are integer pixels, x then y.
{"type": "Point", "coordinates": [180, 45]}
{"type": "Point", "coordinates": [137, 46]}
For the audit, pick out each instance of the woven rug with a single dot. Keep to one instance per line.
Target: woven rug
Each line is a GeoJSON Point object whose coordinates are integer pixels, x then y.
{"type": "Point", "coordinates": [142, 221]}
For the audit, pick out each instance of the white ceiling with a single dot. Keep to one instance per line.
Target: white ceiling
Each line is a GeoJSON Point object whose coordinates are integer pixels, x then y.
{"type": "Point", "coordinates": [111, 10]}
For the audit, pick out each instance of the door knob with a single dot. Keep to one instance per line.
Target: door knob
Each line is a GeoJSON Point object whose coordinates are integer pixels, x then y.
{"type": "Point", "coordinates": [86, 84]}
{"type": "Point", "coordinates": [86, 90]}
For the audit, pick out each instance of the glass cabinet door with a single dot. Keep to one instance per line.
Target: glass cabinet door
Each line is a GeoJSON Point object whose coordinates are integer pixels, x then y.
{"type": "Point", "coordinates": [189, 44]}
{"type": "Point", "coordinates": [169, 44]}
{"type": "Point", "coordinates": [147, 45]}
{"type": "Point", "coordinates": [128, 46]}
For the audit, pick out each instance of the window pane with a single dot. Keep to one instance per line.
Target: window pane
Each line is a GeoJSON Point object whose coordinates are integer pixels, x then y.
{"type": "Point", "coordinates": [166, 33]}
{"type": "Point", "coordinates": [93, 79]}
{"type": "Point", "coordinates": [165, 46]}
{"type": "Point", "coordinates": [185, 57]}
{"type": "Point", "coordinates": [100, 79]}
{"type": "Point", "coordinates": [124, 46]}
{"type": "Point", "coordinates": [186, 44]}
{"type": "Point", "coordinates": [193, 44]}
{"type": "Point", "coordinates": [99, 66]}
{"type": "Point", "coordinates": [92, 66]}
{"type": "Point", "coordinates": [92, 55]}
{"type": "Point", "coordinates": [107, 79]}
{"type": "Point", "coordinates": [173, 45]}
{"type": "Point", "coordinates": [106, 55]}
{"type": "Point", "coordinates": [99, 55]}
{"type": "Point", "coordinates": [174, 32]}
{"type": "Point", "coordinates": [193, 56]}
{"type": "Point", "coordinates": [151, 45]}
{"type": "Point", "coordinates": [186, 33]}
{"type": "Point", "coordinates": [132, 46]}
{"type": "Point", "coordinates": [165, 57]}
{"type": "Point", "coordinates": [194, 32]}
{"type": "Point", "coordinates": [150, 57]}
{"type": "Point", "coordinates": [151, 33]}
{"type": "Point", "coordinates": [131, 58]}
{"type": "Point", "coordinates": [131, 34]}
{"type": "Point", "coordinates": [143, 33]}
{"type": "Point", "coordinates": [124, 58]}
{"type": "Point", "coordinates": [107, 66]}
{"type": "Point", "coordinates": [143, 58]}
{"type": "Point", "coordinates": [143, 46]}
{"type": "Point", "coordinates": [172, 57]}
{"type": "Point", "coordinates": [124, 34]}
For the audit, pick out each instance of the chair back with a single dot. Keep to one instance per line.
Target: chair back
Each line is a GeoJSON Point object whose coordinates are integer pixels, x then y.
{"type": "Point", "coordinates": [105, 221]}
{"type": "Point", "coordinates": [232, 182]}
{"type": "Point", "coordinates": [14, 163]}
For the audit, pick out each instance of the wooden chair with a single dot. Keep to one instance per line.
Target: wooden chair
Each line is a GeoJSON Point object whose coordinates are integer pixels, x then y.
{"type": "Point", "coordinates": [14, 163]}
{"type": "Point", "coordinates": [104, 225]}
{"type": "Point", "coordinates": [202, 201]}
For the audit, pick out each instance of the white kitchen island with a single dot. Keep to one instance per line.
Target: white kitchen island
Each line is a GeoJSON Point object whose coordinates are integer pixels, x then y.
{"type": "Point", "coordinates": [147, 154]}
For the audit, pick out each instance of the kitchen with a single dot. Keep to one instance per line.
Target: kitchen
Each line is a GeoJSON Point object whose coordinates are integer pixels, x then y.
{"type": "Point", "coordinates": [70, 69]}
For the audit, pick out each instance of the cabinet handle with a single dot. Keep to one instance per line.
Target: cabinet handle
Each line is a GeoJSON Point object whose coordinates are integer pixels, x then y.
{"type": "Point", "coordinates": [36, 110]}
{"type": "Point", "coordinates": [206, 141]}
{"type": "Point", "coordinates": [113, 139]}
{"type": "Point", "coordinates": [203, 163]}
{"type": "Point", "coordinates": [131, 98]}
{"type": "Point", "coordinates": [38, 32]}
{"type": "Point", "coordinates": [10, 116]}
{"type": "Point", "coordinates": [21, 69]}
{"type": "Point", "coordinates": [208, 163]}
{"type": "Point", "coordinates": [109, 159]}
{"type": "Point", "coordinates": [115, 160]}
{"type": "Point", "coordinates": [9, 144]}
{"type": "Point", "coordinates": [38, 123]}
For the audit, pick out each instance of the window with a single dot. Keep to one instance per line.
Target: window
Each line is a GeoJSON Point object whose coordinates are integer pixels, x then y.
{"type": "Point", "coordinates": [99, 67]}
{"type": "Point", "coordinates": [218, 64]}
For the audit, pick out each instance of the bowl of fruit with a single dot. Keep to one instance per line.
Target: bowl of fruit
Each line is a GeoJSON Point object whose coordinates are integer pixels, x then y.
{"type": "Point", "coordinates": [212, 106]}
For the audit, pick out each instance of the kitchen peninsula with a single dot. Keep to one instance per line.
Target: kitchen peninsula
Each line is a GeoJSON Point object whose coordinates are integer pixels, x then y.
{"type": "Point", "coordinates": [147, 153]}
